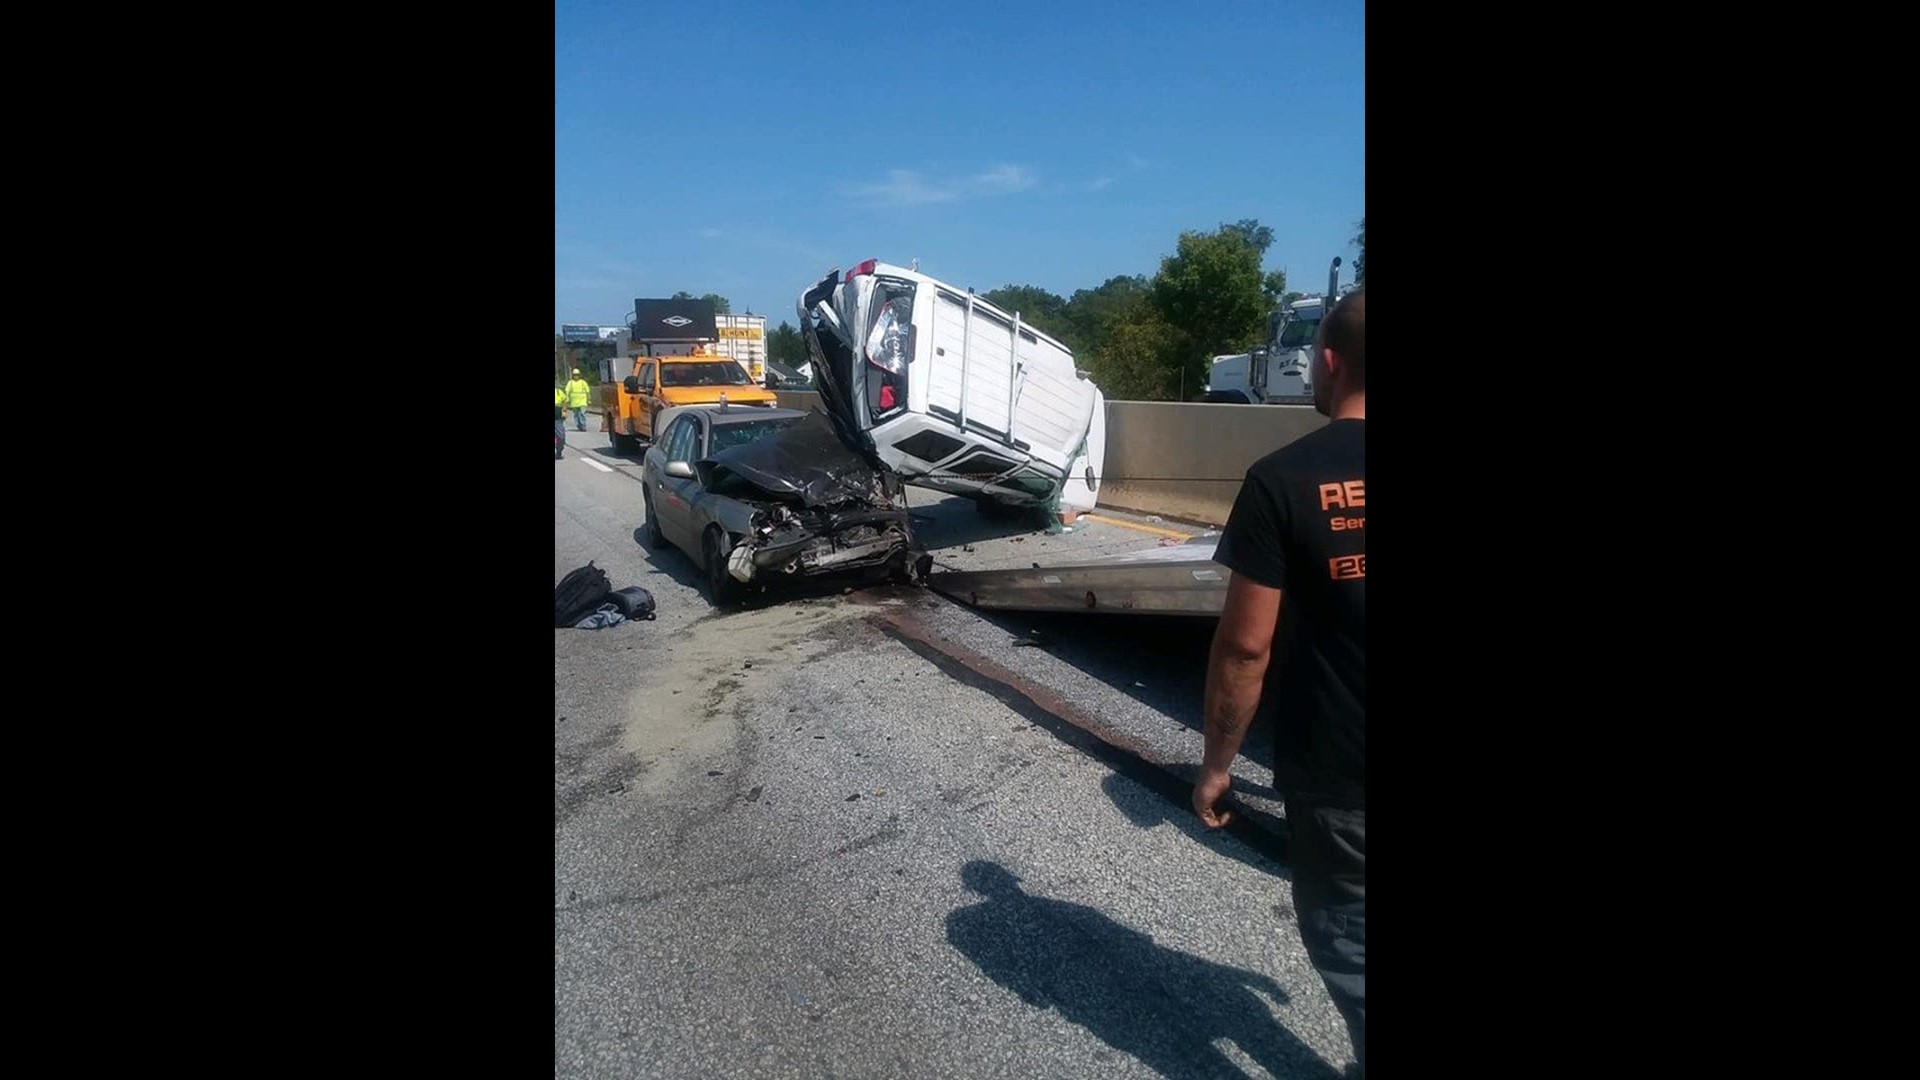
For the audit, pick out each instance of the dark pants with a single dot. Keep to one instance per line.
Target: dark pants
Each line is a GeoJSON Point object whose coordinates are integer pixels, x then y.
{"type": "Point", "coordinates": [559, 436]}
{"type": "Point", "coordinates": [1328, 853]}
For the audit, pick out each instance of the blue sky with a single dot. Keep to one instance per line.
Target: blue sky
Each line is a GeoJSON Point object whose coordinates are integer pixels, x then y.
{"type": "Point", "coordinates": [745, 148]}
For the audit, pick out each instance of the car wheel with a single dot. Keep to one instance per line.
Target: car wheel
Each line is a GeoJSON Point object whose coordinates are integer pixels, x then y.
{"type": "Point", "coordinates": [721, 588]}
{"type": "Point", "coordinates": [655, 538]}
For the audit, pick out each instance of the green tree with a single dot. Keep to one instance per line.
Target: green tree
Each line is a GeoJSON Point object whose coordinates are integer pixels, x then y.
{"type": "Point", "coordinates": [1140, 358]}
{"type": "Point", "coordinates": [1212, 291]}
{"type": "Point", "coordinates": [720, 303]}
{"type": "Point", "coordinates": [1360, 263]}
{"type": "Point", "coordinates": [1095, 313]}
{"type": "Point", "coordinates": [784, 346]}
{"type": "Point", "coordinates": [1274, 286]}
{"type": "Point", "coordinates": [1037, 308]}
{"type": "Point", "coordinates": [583, 355]}
{"type": "Point", "coordinates": [1255, 234]}
{"type": "Point", "coordinates": [1260, 237]}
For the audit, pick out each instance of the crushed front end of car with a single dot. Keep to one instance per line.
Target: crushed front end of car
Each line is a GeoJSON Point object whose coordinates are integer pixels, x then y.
{"type": "Point", "coordinates": [808, 505]}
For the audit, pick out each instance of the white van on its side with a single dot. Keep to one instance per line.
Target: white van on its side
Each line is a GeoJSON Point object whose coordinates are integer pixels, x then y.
{"type": "Point", "coordinates": [951, 391]}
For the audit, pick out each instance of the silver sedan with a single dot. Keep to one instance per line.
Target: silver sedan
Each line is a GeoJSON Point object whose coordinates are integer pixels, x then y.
{"type": "Point", "coordinates": [757, 496]}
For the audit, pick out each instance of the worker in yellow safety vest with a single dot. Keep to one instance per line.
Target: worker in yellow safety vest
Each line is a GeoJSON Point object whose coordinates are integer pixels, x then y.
{"type": "Point", "coordinates": [577, 400]}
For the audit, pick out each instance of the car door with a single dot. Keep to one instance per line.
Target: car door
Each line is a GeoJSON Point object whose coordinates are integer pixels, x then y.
{"type": "Point", "coordinates": [659, 491]}
{"type": "Point", "coordinates": [633, 399]}
{"type": "Point", "coordinates": [673, 496]}
{"type": "Point", "coordinates": [652, 404]}
{"type": "Point", "coordinates": [698, 499]}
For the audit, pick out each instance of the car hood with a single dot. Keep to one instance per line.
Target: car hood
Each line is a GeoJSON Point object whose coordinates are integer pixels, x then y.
{"type": "Point", "coordinates": [707, 395]}
{"type": "Point", "coordinates": [806, 462]}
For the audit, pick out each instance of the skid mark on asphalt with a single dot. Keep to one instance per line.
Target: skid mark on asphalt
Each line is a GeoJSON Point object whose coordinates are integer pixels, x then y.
{"type": "Point", "coordinates": [1047, 710]}
{"type": "Point", "coordinates": [885, 834]}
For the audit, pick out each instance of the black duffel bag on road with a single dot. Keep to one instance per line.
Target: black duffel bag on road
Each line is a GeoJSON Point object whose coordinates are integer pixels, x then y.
{"type": "Point", "coordinates": [580, 594]}
{"type": "Point", "coordinates": [633, 602]}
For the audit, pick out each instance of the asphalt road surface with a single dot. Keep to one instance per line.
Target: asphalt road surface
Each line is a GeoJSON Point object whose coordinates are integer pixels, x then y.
{"type": "Point", "coordinates": [877, 834]}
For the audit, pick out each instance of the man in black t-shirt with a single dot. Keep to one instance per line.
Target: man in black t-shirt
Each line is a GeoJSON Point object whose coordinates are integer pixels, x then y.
{"type": "Point", "coordinates": [1298, 532]}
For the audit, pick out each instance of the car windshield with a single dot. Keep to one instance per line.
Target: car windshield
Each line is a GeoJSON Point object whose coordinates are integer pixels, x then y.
{"type": "Point", "coordinates": [1298, 333]}
{"type": "Point", "coordinates": [726, 435]}
{"type": "Point", "coordinates": [715, 373]}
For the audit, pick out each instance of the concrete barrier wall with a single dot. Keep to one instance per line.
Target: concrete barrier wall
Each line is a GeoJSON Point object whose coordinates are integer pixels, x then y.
{"type": "Point", "coordinates": [797, 399]}
{"type": "Point", "coordinates": [1186, 459]}
{"type": "Point", "coordinates": [1180, 460]}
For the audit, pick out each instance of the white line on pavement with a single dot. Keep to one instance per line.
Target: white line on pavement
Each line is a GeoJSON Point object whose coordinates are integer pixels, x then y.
{"type": "Point", "coordinates": [596, 464]}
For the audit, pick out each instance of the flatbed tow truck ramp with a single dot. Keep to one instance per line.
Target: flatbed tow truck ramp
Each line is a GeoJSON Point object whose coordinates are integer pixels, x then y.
{"type": "Point", "coordinates": [1180, 579]}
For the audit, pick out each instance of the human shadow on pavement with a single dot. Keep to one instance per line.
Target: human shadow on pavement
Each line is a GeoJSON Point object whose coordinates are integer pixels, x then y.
{"type": "Point", "coordinates": [1162, 1006]}
{"type": "Point", "coordinates": [1264, 849]}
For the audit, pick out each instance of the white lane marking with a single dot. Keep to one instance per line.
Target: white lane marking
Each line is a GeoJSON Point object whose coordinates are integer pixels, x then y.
{"type": "Point", "coordinates": [596, 464]}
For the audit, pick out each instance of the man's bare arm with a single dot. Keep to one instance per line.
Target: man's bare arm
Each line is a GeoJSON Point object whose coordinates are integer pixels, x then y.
{"type": "Point", "coordinates": [1236, 667]}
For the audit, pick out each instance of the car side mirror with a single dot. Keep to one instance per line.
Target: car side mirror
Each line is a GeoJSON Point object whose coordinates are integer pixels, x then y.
{"type": "Point", "coordinates": [681, 469]}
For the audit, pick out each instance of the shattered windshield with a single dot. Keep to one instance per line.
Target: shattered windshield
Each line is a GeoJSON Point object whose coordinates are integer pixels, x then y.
{"type": "Point", "coordinates": [803, 461]}
{"type": "Point", "coordinates": [722, 373]}
{"type": "Point", "coordinates": [731, 435]}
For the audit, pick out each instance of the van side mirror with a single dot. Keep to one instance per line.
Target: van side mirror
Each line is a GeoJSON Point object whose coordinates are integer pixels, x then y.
{"type": "Point", "coordinates": [681, 469]}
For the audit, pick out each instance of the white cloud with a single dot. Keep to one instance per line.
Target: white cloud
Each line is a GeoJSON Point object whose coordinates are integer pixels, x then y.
{"type": "Point", "coordinates": [605, 275]}
{"type": "Point", "coordinates": [1100, 183]}
{"type": "Point", "coordinates": [1002, 180]}
{"type": "Point", "coordinates": [1137, 161]}
{"type": "Point", "coordinates": [903, 187]}
{"type": "Point", "coordinates": [709, 233]}
{"type": "Point", "coordinates": [906, 187]}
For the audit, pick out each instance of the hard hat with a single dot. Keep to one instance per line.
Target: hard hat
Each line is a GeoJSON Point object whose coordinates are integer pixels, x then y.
{"type": "Point", "coordinates": [576, 371]}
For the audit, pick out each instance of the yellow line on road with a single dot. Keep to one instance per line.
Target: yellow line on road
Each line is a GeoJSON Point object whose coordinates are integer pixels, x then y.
{"type": "Point", "coordinates": [1143, 528]}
